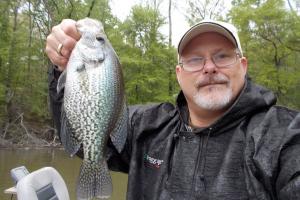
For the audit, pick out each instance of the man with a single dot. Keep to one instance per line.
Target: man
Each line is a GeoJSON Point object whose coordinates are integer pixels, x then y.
{"type": "Point", "coordinates": [224, 139]}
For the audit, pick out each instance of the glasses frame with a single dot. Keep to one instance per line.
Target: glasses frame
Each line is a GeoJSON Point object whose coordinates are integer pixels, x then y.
{"type": "Point", "coordinates": [237, 54]}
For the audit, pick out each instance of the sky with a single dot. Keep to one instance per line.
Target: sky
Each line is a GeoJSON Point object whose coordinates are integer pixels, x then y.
{"type": "Point", "coordinates": [121, 9]}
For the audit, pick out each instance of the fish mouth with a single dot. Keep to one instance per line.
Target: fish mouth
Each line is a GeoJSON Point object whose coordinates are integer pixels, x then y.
{"type": "Point", "coordinates": [98, 59]}
{"type": "Point", "coordinates": [101, 58]}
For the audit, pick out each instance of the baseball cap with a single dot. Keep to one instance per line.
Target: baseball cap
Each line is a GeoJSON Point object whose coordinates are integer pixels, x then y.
{"type": "Point", "coordinates": [223, 28]}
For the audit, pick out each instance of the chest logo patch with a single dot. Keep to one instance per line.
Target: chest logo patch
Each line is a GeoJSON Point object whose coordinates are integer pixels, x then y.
{"type": "Point", "coordinates": [152, 162]}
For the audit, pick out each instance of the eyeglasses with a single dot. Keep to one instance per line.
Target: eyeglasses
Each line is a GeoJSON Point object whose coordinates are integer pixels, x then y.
{"type": "Point", "coordinates": [220, 59]}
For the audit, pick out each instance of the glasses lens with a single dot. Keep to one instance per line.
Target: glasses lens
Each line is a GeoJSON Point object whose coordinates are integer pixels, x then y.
{"type": "Point", "coordinates": [220, 59]}
{"type": "Point", "coordinates": [193, 64]}
{"type": "Point", "coordinates": [223, 59]}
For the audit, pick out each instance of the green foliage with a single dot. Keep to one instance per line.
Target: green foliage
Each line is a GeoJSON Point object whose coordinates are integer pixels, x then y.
{"type": "Point", "coordinates": [269, 36]}
{"type": "Point", "coordinates": [141, 27]}
{"type": "Point", "coordinates": [147, 61]}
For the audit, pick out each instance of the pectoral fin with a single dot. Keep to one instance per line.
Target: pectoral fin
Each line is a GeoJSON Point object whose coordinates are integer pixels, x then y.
{"type": "Point", "coordinates": [70, 143]}
{"type": "Point", "coordinates": [119, 134]}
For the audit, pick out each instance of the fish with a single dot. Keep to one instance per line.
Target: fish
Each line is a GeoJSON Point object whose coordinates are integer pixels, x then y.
{"type": "Point", "coordinates": [94, 107]}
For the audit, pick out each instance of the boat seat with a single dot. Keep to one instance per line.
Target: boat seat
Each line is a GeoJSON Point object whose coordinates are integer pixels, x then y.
{"type": "Point", "coordinates": [43, 184]}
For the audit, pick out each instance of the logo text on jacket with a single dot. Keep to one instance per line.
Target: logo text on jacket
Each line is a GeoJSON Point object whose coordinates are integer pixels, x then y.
{"type": "Point", "coordinates": [152, 162]}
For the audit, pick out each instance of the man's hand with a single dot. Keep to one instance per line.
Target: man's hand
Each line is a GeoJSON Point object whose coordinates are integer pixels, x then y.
{"type": "Point", "coordinates": [61, 42]}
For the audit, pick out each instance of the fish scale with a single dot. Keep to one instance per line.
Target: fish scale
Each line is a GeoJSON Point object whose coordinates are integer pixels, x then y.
{"type": "Point", "coordinates": [94, 107]}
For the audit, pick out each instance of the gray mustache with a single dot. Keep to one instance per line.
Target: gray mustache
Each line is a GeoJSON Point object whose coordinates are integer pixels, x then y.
{"type": "Point", "coordinates": [215, 79]}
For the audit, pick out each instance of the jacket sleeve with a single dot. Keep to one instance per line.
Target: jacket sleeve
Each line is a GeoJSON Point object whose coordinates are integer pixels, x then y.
{"type": "Point", "coordinates": [116, 161]}
{"type": "Point", "coordinates": [54, 98]}
{"type": "Point", "coordinates": [288, 181]}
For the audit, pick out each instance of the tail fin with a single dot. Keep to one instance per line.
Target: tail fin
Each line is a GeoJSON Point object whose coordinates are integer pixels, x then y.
{"type": "Point", "coordinates": [94, 181]}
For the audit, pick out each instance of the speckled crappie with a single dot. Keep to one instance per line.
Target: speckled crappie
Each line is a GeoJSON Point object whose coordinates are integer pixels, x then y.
{"type": "Point", "coordinates": [94, 107]}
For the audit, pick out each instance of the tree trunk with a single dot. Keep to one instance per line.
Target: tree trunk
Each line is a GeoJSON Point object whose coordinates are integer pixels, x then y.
{"type": "Point", "coordinates": [28, 81]}
{"type": "Point", "coordinates": [171, 69]}
{"type": "Point", "coordinates": [290, 5]}
{"type": "Point", "coordinates": [10, 67]}
{"type": "Point", "coordinates": [170, 23]}
{"type": "Point", "coordinates": [91, 8]}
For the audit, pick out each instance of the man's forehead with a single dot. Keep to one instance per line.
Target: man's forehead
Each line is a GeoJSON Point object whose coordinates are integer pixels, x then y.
{"type": "Point", "coordinates": [208, 41]}
{"type": "Point", "coordinates": [209, 37]}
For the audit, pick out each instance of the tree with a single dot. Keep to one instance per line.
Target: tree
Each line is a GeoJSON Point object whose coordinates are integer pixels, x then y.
{"type": "Point", "coordinates": [269, 35]}
{"type": "Point", "coordinates": [170, 22]}
{"type": "Point", "coordinates": [147, 58]}
{"type": "Point", "coordinates": [4, 41]}
{"type": "Point", "coordinates": [204, 9]}
{"type": "Point", "coordinates": [25, 24]}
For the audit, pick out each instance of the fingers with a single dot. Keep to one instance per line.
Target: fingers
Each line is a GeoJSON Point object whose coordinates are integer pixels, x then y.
{"type": "Point", "coordinates": [65, 36]}
{"type": "Point", "coordinates": [70, 30]}
{"type": "Point", "coordinates": [57, 59]}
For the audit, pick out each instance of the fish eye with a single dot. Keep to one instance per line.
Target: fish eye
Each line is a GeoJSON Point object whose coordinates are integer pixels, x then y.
{"type": "Point", "coordinates": [100, 39]}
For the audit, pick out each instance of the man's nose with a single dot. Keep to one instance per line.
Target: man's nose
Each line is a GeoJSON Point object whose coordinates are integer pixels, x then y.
{"type": "Point", "coordinates": [209, 66]}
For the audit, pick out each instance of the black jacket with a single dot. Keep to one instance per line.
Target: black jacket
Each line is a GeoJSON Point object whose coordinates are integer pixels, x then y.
{"type": "Point", "coordinates": [251, 152]}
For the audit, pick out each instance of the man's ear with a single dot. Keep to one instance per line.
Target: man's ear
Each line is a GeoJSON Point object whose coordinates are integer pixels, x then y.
{"type": "Point", "coordinates": [244, 64]}
{"type": "Point", "coordinates": [178, 71]}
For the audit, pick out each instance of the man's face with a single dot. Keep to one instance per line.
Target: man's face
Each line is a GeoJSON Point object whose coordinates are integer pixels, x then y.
{"type": "Point", "coordinates": [212, 88]}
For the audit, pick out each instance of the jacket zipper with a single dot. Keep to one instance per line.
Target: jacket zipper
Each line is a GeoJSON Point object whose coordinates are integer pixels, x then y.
{"type": "Point", "coordinates": [201, 160]}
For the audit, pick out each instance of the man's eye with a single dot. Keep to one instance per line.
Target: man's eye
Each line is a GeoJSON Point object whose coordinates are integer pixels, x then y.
{"type": "Point", "coordinates": [221, 56]}
{"type": "Point", "coordinates": [195, 60]}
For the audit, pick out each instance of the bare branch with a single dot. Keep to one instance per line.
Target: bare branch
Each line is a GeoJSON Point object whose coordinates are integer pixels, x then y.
{"type": "Point", "coordinates": [290, 5]}
{"type": "Point", "coordinates": [91, 8]}
{"type": "Point", "coordinates": [71, 10]}
{"type": "Point", "coordinates": [212, 10]}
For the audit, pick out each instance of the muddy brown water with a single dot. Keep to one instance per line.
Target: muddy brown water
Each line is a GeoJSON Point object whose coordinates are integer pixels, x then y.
{"type": "Point", "coordinates": [68, 167]}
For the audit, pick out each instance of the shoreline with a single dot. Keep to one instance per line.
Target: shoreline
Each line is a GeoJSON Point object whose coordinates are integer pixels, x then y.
{"type": "Point", "coordinates": [32, 142]}
{"type": "Point", "coordinates": [13, 147]}
{"type": "Point", "coordinates": [10, 145]}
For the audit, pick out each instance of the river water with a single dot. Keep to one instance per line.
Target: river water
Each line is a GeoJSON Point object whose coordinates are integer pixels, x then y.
{"type": "Point", "coordinates": [34, 159]}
